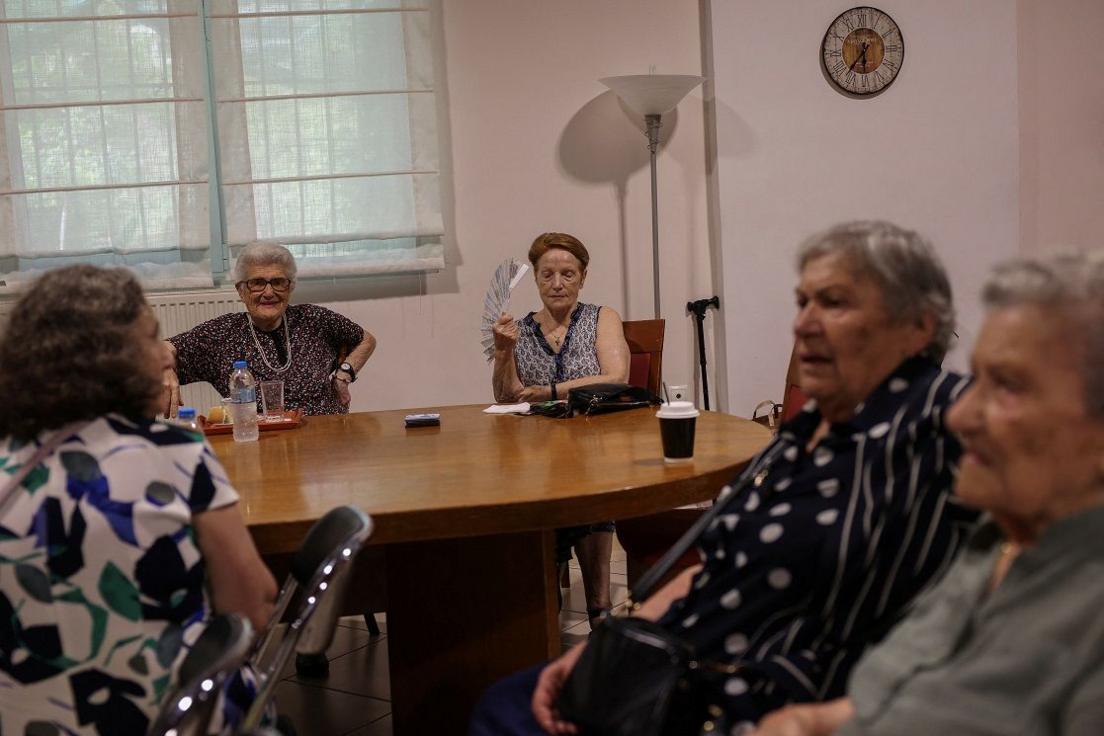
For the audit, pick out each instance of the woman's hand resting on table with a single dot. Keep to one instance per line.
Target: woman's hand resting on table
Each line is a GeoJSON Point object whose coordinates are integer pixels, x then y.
{"type": "Point", "coordinates": [549, 684]}
{"type": "Point", "coordinates": [341, 387]}
{"type": "Point", "coordinates": [170, 384]}
{"type": "Point", "coordinates": [533, 394]}
{"type": "Point", "coordinates": [170, 393]}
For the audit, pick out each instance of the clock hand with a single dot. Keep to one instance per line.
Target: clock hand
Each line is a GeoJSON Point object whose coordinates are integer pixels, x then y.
{"type": "Point", "coordinates": [861, 58]}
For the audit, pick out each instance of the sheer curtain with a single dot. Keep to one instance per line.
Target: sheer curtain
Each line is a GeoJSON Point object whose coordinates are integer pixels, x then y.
{"type": "Point", "coordinates": [103, 148]}
{"type": "Point", "coordinates": [327, 131]}
{"type": "Point", "coordinates": [324, 128]}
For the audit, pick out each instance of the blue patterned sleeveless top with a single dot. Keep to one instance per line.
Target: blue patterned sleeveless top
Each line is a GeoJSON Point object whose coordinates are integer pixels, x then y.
{"type": "Point", "coordinates": [538, 364]}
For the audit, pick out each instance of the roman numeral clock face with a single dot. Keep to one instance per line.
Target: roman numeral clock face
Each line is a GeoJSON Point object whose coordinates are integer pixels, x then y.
{"type": "Point", "coordinates": [862, 51]}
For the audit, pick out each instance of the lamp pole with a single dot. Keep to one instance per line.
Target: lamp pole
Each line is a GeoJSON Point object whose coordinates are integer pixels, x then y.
{"type": "Point", "coordinates": [651, 95]}
{"type": "Point", "coordinates": [653, 142]}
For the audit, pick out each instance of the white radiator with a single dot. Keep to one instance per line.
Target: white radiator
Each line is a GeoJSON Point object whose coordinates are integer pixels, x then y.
{"type": "Point", "coordinates": [181, 311]}
{"type": "Point", "coordinates": [178, 312]}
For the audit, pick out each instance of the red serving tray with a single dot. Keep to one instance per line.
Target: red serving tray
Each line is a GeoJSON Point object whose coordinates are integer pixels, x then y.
{"type": "Point", "coordinates": [291, 420]}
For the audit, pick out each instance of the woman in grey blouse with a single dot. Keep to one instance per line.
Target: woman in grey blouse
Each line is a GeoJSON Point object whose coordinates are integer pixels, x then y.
{"type": "Point", "coordinates": [1012, 640]}
{"type": "Point", "coordinates": [541, 357]}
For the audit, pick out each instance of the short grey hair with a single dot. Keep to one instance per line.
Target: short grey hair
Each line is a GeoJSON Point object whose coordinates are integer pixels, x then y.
{"type": "Point", "coordinates": [264, 253]}
{"type": "Point", "coordinates": [1069, 286]}
{"type": "Point", "coordinates": [905, 266]}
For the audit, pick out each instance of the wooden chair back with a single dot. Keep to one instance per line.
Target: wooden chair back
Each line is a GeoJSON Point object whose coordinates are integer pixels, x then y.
{"type": "Point", "coordinates": [793, 398]}
{"type": "Point", "coordinates": [645, 339]}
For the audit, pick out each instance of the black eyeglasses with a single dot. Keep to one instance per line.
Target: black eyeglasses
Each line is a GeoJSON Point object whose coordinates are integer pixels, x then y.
{"type": "Point", "coordinates": [258, 285]}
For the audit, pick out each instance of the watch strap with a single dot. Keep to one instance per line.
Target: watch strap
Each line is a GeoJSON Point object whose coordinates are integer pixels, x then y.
{"type": "Point", "coordinates": [350, 370]}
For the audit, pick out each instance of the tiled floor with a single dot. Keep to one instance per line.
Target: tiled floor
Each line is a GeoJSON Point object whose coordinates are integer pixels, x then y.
{"type": "Point", "coordinates": [355, 698]}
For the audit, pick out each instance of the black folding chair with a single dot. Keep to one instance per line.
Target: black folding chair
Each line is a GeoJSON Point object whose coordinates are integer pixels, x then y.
{"type": "Point", "coordinates": [319, 573]}
{"type": "Point", "coordinates": [215, 656]}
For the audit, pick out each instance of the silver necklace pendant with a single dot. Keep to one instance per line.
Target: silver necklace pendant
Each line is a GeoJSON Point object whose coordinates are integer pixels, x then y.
{"type": "Point", "coordinates": [257, 342]}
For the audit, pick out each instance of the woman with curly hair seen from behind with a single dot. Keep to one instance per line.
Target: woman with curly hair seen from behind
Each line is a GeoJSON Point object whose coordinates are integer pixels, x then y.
{"type": "Point", "coordinates": [111, 545]}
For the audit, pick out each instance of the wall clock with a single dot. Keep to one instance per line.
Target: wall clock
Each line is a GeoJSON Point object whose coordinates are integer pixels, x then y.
{"type": "Point", "coordinates": [862, 51]}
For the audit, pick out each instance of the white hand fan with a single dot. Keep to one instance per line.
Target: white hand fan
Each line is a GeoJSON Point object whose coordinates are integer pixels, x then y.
{"type": "Point", "coordinates": [506, 277]}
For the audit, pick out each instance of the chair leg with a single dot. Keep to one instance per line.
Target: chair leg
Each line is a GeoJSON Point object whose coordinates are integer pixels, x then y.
{"type": "Point", "coordinates": [370, 622]}
{"type": "Point", "coordinates": [314, 666]}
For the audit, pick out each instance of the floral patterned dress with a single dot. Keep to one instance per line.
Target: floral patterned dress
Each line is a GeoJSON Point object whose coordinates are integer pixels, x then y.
{"type": "Point", "coordinates": [101, 579]}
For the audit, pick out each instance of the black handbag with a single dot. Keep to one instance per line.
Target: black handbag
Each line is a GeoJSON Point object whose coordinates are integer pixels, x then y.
{"type": "Point", "coordinates": [599, 398]}
{"type": "Point", "coordinates": [634, 677]}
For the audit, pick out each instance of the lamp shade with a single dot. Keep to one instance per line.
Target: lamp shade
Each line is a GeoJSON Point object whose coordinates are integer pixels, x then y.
{"type": "Point", "coordinates": [652, 94]}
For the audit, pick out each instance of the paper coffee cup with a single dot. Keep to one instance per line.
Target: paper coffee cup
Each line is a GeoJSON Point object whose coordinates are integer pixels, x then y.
{"type": "Point", "coordinates": [677, 420]}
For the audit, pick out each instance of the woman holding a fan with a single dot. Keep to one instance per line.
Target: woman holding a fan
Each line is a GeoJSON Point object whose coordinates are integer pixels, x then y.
{"type": "Point", "coordinates": [566, 344]}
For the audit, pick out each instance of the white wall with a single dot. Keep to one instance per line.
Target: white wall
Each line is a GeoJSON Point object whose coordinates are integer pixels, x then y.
{"type": "Point", "coordinates": [938, 151]}
{"type": "Point", "coordinates": [1061, 124]}
{"type": "Point", "coordinates": [538, 144]}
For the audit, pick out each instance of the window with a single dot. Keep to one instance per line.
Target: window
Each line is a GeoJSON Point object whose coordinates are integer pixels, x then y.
{"type": "Point", "coordinates": [320, 114]}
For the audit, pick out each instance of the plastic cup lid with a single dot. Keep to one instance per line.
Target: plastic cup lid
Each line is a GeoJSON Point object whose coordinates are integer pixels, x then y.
{"type": "Point", "coordinates": [677, 410]}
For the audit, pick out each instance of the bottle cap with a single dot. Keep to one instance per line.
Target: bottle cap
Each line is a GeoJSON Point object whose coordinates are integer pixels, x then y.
{"type": "Point", "coordinates": [186, 412]}
{"type": "Point", "coordinates": [240, 364]}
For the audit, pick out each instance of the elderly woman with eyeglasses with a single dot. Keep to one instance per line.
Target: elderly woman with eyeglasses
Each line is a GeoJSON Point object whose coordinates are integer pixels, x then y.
{"type": "Point", "coordinates": [316, 352]}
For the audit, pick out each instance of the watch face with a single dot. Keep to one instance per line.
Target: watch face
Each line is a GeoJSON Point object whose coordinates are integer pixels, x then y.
{"type": "Point", "coordinates": [862, 51]}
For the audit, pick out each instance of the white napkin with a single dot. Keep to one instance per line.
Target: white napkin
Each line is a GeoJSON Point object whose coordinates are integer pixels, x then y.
{"type": "Point", "coordinates": [522, 408]}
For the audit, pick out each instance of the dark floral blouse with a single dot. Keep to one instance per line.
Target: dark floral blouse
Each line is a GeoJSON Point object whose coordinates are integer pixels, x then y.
{"type": "Point", "coordinates": [318, 337]}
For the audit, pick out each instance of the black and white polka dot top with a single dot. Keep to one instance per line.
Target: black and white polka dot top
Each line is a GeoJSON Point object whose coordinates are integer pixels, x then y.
{"type": "Point", "coordinates": [804, 572]}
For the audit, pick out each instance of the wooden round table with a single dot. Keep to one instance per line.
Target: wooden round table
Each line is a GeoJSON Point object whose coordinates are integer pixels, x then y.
{"type": "Point", "coordinates": [467, 511]}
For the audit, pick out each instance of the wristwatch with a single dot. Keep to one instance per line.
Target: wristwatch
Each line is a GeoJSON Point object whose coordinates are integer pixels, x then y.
{"type": "Point", "coordinates": [348, 369]}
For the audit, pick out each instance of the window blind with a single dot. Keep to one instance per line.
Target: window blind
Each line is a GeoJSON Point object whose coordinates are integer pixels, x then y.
{"type": "Point", "coordinates": [103, 148]}
{"type": "Point", "coordinates": [321, 113]}
{"type": "Point", "coordinates": [327, 131]}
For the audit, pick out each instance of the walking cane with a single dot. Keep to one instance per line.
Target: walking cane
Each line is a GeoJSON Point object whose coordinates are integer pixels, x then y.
{"type": "Point", "coordinates": [698, 309]}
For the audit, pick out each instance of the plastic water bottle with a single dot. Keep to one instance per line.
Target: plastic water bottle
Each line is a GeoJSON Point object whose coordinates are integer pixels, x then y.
{"type": "Point", "coordinates": [186, 419]}
{"type": "Point", "coordinates": [243, 403]}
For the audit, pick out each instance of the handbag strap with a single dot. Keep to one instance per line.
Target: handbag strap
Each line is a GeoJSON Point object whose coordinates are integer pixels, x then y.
{"type": "Point", "coordinates": [44, 451]}
{"type": "Point", "coordinates": [647, 583]}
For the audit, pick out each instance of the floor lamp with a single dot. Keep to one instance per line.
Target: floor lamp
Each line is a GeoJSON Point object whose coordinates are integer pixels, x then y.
{"type": "Point", "coordinates": [652, 95]}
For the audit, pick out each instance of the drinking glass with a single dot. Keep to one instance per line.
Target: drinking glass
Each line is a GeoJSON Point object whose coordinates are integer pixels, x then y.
{"type": "Point", "coordinates": [272, 398]}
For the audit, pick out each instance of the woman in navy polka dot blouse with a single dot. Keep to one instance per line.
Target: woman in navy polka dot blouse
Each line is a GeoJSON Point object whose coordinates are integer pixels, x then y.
{"type": "Point", "coordinates": [841, 521]}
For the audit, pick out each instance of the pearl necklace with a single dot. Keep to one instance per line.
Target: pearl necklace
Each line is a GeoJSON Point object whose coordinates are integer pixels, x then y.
{"type": "Point", "coordinates": [257, 342]}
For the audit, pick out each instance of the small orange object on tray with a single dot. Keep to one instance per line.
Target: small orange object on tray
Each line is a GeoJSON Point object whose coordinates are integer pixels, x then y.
{"type": "Point", "coordinates": [289, 420]}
